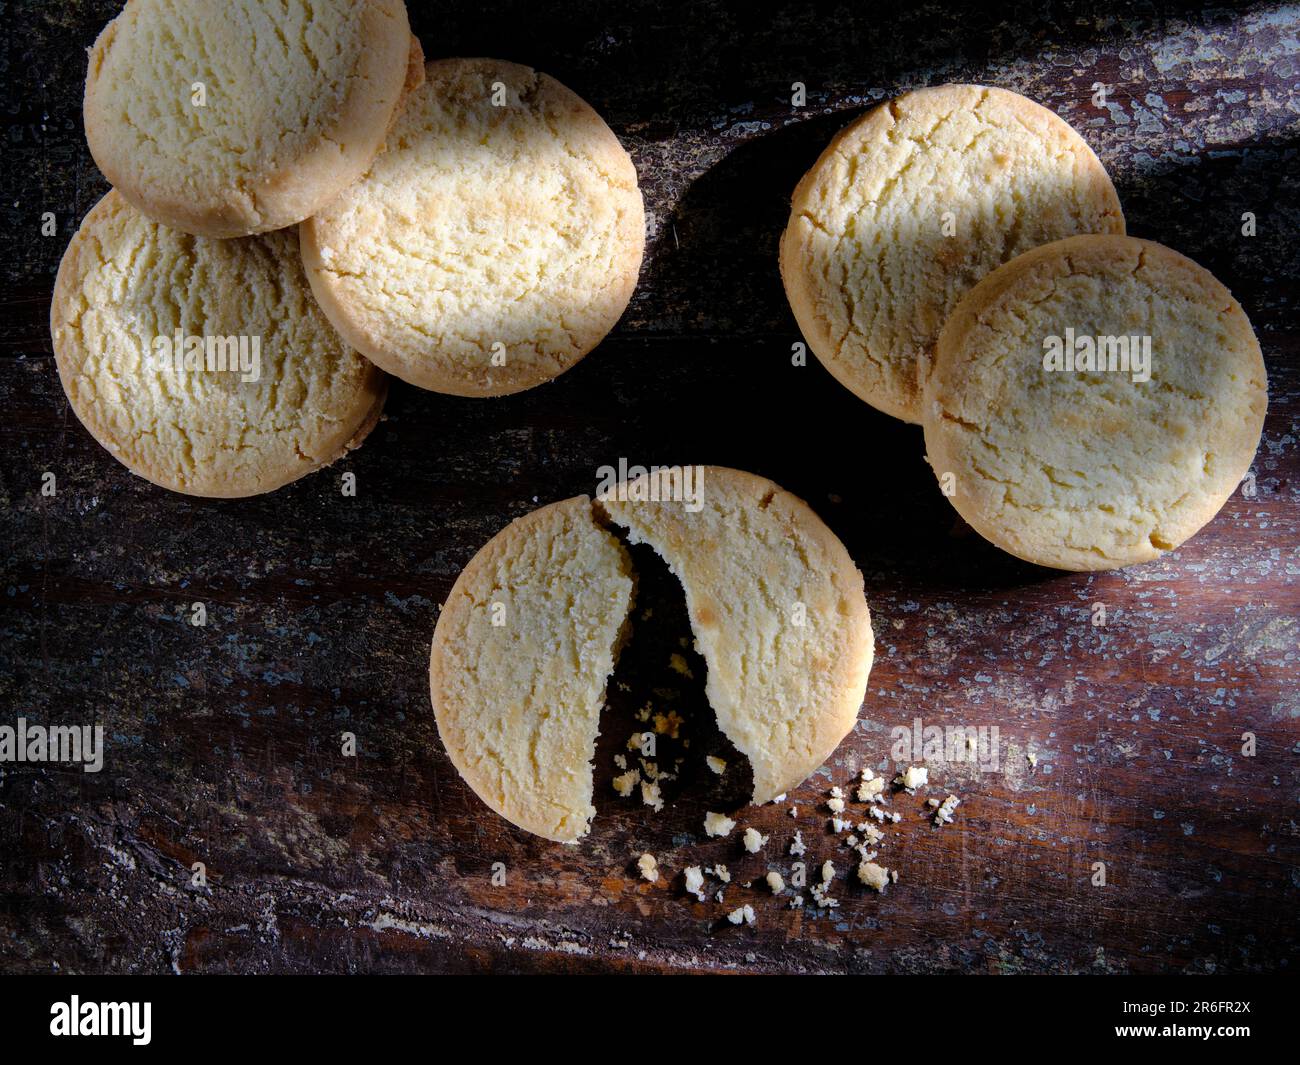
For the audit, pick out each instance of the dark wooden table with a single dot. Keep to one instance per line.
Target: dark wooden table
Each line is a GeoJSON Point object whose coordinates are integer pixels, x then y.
{"type": "Point", "coordinates": [224, 741]}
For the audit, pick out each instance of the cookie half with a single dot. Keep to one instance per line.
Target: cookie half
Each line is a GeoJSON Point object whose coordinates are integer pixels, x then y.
{"type": "Point", "coordinates": [1094, 402]}
{"type": "Point", "coordinates": [243, 117]}
{"type": "Point", "coordinates": [493, 244]}
{"type": "Point", "coordinates": [204, 365]}
{"type": "Point", "coordinates": [776, 605]}
{"type": "Point", "coordinates": [521, 655]}
{"type": "Point", "coordinates": [909, 207]}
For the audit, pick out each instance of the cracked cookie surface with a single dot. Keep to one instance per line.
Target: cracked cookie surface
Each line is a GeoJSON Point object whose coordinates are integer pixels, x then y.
{"type": "Point", "coordinates": [242, 117]}
{"type": "Point", "coordinates": [494, 242]}
{"type": "Point", "coordinates": [126, 281]}
{"type": "Point", "coordinates": [909, 207]}
{"type": "Point", "coordinates": [1091, 469]}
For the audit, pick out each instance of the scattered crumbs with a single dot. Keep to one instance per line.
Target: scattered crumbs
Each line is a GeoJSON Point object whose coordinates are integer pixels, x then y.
{"type": "Point", "coordinates": [797, 848]}
{"type": "Point", "coordinates": [650, 795]}
{"type": "Point", "coordinates": [718, 824]}
{"type": "Point", "coordinates": [649, 867]}
{"type": "Point", "coordinates": [669, 724]}
{"type": "Point", "coordinates": [819, 890]}
{"type": "Point", "coordinates": [1033, 760]}
{"type": "Point", "coordinates": [721, 872]}
{"type": "Point", "coordinates": [943, 811]}
{"type": "Point", "coordinates": [779, 799]}
{"type": "Point", "coordinates": [754, 840]}
{"type": "Point", "coordinates": [775, 882]}
{"type": "Point", "coordinates": [742, 914]}
{"type": "Point", "coordinates": [620, 761]}
{"type": "Point", "coordinates": [678, 665]}
{"type": "Point", "coordinates": [716, 764]}
{"type": "Point", "coordinates": [695, 881]}
{"type": "Point", "coordinates": [626, 782]}
{"type": "Point", "coordinates": [794, 811]}
{"type": "Point", "coordinates": [871, 786]}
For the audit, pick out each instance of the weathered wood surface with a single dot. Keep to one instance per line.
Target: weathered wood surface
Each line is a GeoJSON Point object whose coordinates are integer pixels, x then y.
{"type": "Point", "coordinates": [224, 740]}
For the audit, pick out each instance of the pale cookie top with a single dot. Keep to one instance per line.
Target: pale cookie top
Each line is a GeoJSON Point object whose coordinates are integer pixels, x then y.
{"type": "Point", "coordinates": [493, 244]}
{"type": "Point", "coordinates": [1077, 467]}
{"type": "Point", "coordinates": [521, 655]}
{"type": "Point", "coordinates": [131, 294]}
{"type": "Point", "coordinates": [777, 608]}
{"type": "Point", "coordinates": [909, 207]}
{"type": "Point", "coordinates": [237, 117]}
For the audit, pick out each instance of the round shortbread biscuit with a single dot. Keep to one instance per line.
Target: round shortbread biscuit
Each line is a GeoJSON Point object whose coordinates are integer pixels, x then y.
{"type": "Point", "coordinates": [776, 605]}
{"type": "Point", "coordinates": [522, 651]}
{"type": "Point", "coordinates": [909, 207]}
{"type": "Point", "coordinates": [1079, 467]}
{"type": "Point", "coordinates": [493, 244]}
{"type": "Point", "coordinates": [243, 117]}
{"type": "Point", "coordinates": [531, 630]}
{"type": "Point", "coordinates": [146, 323]}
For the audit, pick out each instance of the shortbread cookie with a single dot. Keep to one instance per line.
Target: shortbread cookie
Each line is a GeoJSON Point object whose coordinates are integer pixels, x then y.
{"type": "Point", "coordinates": [495, 241]}
{"type": "Point", "coordinates": [521, 655]}
{"type": "Point", "coordinates": [242, 116]}
{"type": "Point", "coordinates": [777, 608]}
{"type": "Point", "coordinates": [204, 365]}
{"type": "Point", "coordinates": [1041, 422]}
{"type": "Point", "coordinates": [914, 203]}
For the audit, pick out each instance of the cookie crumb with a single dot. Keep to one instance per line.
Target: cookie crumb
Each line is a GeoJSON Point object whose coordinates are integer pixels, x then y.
{"type": "Point", "coordinates": [913, 777]}
{"type": "Point", "coordinates": [718, 824]}
{"type": "Point", "coordinates": [873, 875]}
{"type": "Point", "coordinates": [741, 914]}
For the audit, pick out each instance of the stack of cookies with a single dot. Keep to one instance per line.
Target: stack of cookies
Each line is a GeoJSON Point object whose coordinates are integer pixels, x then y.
{"type": "Point", "coordinates": [957, 257]}
{"type": "Point", "coordinates": [300, 205]}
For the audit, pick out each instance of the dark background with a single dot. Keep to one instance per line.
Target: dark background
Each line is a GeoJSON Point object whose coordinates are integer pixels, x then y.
{"type": "Point", "coordinates": [223, 741]}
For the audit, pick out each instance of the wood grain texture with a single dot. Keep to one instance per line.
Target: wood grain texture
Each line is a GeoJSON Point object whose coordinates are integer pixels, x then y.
{"type": "Point", "coordinates": [223, 741]}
